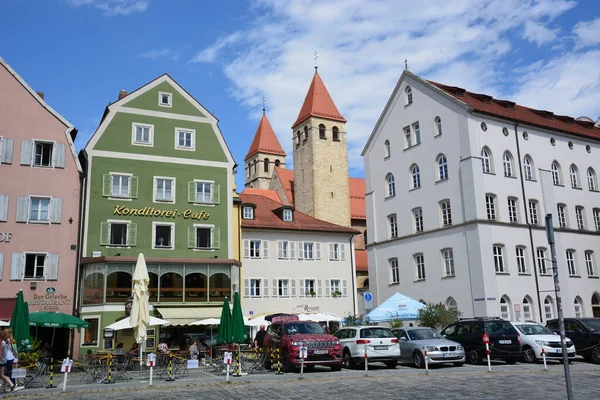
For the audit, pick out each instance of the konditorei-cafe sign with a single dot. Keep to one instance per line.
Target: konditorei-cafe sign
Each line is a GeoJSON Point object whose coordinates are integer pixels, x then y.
{"type": "Point", "coordinates": [155, 212]}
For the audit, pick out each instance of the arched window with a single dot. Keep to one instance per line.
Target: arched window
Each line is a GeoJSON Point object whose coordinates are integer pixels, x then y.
{"type": "Point", "coordinates": [548, 308]}
{"type": "Point", "coordinates": [505, 308]}
{"type": "Point", "coordinates": [219, 286]}
{"type": "Point", "coordinates": [591, 178]}
{"type": "Point", "coordinates": [528, 168]}
{"type": "Point", "coordinates": [556, 174]}
{"type": "Point", "coordinates": [118, 286]}
{"type": "Point", "coordinates": [442, 167]}
{"type": "Point", "coordinates": [527, 309]}
{"type": "Point", "coordinates": [415, 175]}
{"type": "Point", "coordinates": [596, 305]}
{"type": "Point", "coordinates": [409, 97]}
{"type": "Point", "coordinates": [93, 284]}
{"type": "Point", "coordinates": [171, 287]}
{"type": "Point", "coordinates": [574, 175]}
{"type": "Point", "coordinates": [266, 166]}
{"type": "Point", "coordinates": [578, 305]}
{"type": "Point", "coordinates": [255, 164]}
{"type": "Point", "coordinates": [196, 287]}
{"type": "Point", "coordinates": [249, 170]}
{"type": "Point", "coordinates": [438, 126]}
{"type": "Point", "coordinates": [305, 132]}
{"type": "Point", "coordinates": [452, 305]}
{"type": "Point", "coordinates": [335, 134]}
{"type": "Point", "coordinates": [486, 161]}
{"type": "Point", "coordinates": [386, 149]}
{"type": "Point", "coordinates": [507, 162]}
{"type": "Point", "coordinates": [277, 163]}
{"type": "Point", "coordinates": [391, 185]}
{"type": "Point", "coordinates": [299, 137]}
{"type": "Point", "coordinates": [322, 132]}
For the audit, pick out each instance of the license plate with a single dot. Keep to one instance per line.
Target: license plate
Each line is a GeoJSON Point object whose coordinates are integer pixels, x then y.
{"type": "Point", "coordinates": [559, 350]}
{"type": "Point", "coordinates": [320, 351]}
{"type": "Point", "coordinates": [380, 347]}
{"type": "Point", "coordinates": [444, 355]}
{"type": "Point", "coordinates": [505, 341]}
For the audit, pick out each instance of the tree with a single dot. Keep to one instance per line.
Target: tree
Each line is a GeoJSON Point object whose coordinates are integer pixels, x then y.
{"type": "Point", "coordinates": [353, 319]}
{"type": "Point", "coordinates": [436, 316]}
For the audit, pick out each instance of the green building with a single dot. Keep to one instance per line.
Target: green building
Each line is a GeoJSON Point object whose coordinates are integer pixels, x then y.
{"type": "Point", "coordinates": [159, 181]}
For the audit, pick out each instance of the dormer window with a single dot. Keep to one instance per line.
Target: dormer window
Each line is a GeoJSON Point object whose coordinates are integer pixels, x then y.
{"type": "Point", "coordinates": [248, 212]}
{"type": "Point", "coordinates": [287, 215]}
{"type": "Point", "coordinates": [165, 99]}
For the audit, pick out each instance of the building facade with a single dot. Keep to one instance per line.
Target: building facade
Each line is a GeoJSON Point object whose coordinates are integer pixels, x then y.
{"type": "Point", "coordinates": [458, 186]}
{"type": "Point", "coordinates": [159, 182]}
{"type": "Point", "coordinates": [40, 186]}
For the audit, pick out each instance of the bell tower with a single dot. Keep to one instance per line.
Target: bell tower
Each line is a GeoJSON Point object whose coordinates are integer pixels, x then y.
{"type": "Point", "coordinates": [321, 157]}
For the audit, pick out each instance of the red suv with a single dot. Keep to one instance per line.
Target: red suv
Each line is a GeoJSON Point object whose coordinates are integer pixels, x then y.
{"type": "Point", "coordinates": [288, 334]}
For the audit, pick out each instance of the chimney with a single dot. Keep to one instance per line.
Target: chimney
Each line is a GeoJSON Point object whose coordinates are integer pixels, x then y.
{"type": "Point", "coordinates": [122, 94]}
{"type": "Point", "coordinates": [41, 94]}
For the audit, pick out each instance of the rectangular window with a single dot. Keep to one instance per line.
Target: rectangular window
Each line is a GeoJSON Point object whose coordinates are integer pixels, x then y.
{"type": "Point", "coordinates": [309, 251]}
{"type": "Point", "coordinates": [407, 138]}
{"type": "Point", "coordinates": [446, 213]}
{"type": "Point", "coordinates": [185, 139]}
{"type": "Point", "coordinates": [90, 334]}
{"type": "Point", "coordinates": [394, 271]}
{"type": "Point", "coordinates": [541, 261]}
{"type": "Point", "coordinates": [335, 251]}
{"type": "Point", "coordinates": [589, 263]}
{"type": "Point", "coordinates": [43, 154]}
{"type": "Point", "coordinates": [255, 249]}
{"type": "Point", "coordinates": [163, 236]}
{"type": "Point", "coordinates": [490, 206]}
{"type": "Point", "coordinates": [142, 134]}
{"type": "Point", "coordinates": [499, 259]}
{"type": "Point", "coordinates": [580, 216]}
{"type": "Point", "coordinates": [34, 266]}
{"type": "Point", "coordinates": [419, 267]}
{"type": "Point", "coordinates": [513, 213]}
{"type": "Point", "coordinates": [335, 288]}
{"type": "Point", "coordinates": [120, 185]}
{"type": "Point", "coordinates": [255, 287]}
{"type": "Point", "coordinates": [309, 288]}
{"type": "Point", "coordinates": [533, 212]}
{"type": "Point", "coordinates": [248, 213]}
{"type": "Point", "coordinates": [521, 262]}
{"type": "Point", "coordinates": [165, 189]}
{"type": "Point", "coordinates": [417, 132]}
{"type": "Point", "coordinates": [38, 209]}
{"type": "Point", "coordinates": [571, 263]}
{"type": "Point", "coordinates": [118, 234]}
{"type": "Point", "coordinates": [203, 238]}
{"type": "Point", "coordinates": [164, 99]}
{"type": "Point", "coordinates": [283, 249]}
{"type": "Point", "coordinates": [448, 258]}
{"type": "Point", "coordinates": [597, 219]}
{"type": "Point", "coordinates": [418, 219]}
{"type": "Point", "coordinates": [562, 215]}
{"type": "Point", "coordinates": [283, 287]}
{"type": "Point", "coordinates": [287, 215]}
{"type": "Point", "coordinates": [204, 192]}
{"type": "Point", "coordinates": [548, 312]}
{"type": "Point", "coordinates": [393, 224]}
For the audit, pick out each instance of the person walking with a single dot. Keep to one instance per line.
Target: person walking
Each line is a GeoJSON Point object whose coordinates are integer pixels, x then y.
{"type": "Point", "coordinates": [7, 358]}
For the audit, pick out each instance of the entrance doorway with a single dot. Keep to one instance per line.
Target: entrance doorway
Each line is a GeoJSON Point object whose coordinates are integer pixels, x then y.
{"type": "Point", "coordinates": [596, 305]}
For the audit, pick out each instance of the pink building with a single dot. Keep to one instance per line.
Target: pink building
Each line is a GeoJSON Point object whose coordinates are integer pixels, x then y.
{"type": "Point", "coordinates": [40, 189]}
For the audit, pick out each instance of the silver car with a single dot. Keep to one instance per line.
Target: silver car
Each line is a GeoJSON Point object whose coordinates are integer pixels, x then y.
{"type": "Point", "coordinates": [414, 340]}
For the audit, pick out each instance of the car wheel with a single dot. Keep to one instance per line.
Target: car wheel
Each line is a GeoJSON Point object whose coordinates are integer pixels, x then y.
{"type": "Point", "coordinates": [473, 357]}
{"type": "Point", "coordinates": [337, 367]}
{"type": "Point", "coordinates": [528, 355]}
{"type": "Point", "coordinates": [596, 354]}
{"type": "Point", "coordinates": [418, 360]}
{"type": "Point", "coordinates": [347, 359]}
{"type": "Point", "coordinates": [459, 364]}
{"type": "Point", "coordinates": [391, 364]}
{"type": "Point", "coordinates": [510, 361]}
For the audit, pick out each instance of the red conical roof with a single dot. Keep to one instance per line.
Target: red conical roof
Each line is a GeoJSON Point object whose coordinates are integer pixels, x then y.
{"type": "Point", "coordinates": [318, 103]}
{"type": "Point", "coordinates": [265, 140]}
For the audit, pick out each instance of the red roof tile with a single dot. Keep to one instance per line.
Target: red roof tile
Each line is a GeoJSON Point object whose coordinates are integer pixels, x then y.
{"type": "Point", "coordinates": [264, 217]}
{"type": "Point", "coordinates": [265, 140]}
{"type": "Point", "coordinates": [286, 177]}
{"type": "Point", "coordinates": [362, 260]}
{"type": "Point", "coordinates": [358, 188]}
{"type": "Point", "coordinates": [508, 109]}
{"type": "Point", "coordinates": [270, 194]}
{"type": "Point", "coordinates": [318, 103]}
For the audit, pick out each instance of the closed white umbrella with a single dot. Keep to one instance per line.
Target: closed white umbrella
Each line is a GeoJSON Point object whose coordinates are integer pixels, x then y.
{"type": "Point", "coordinates": [125, 323]}
{"type": "Point", "coordinates": [140, 317]}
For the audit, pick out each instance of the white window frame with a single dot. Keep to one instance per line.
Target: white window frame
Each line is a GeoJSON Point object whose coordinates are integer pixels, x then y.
{"type": "Point", "coordinates": [520, 252]}
{"type": "Point", "coordinates": [120, 222]}
{"type": "Point", "coordinates": [386, 149]}
{"type": "Point", "coordinates": [590, 263]}
{"type": "Point", "coordinates": [540, 255]}
{"type": "Point", "coordinates": [574, 176]}
{"type": "Point", "coordinates": [252, 287]}
{"type": "Point", "coordinates": [533, 212]}
{"type": "Point", "coordinates": [390, 185]}
{"type": "Point", "coordinates": [192, 133]}
{"type": "Point", "coordinates": [247, 212]}
{"type": "Point", "coordinates": [417, 130]}
{"type": "Point", "coordinates": [499, 260]}
{"type": "Point", "coordinates": [596, 214]}
{"type": "Point", "coordinates": [134, 142]}
{"type": "Point", "coordinates": [561, 210]}
{"type": "Point", "coordinates": [592, 181]}
{"type": "Point", "coordinates": [334, 252]}
{"type": "Point", "coordinates": [508, 166]}
{"type": "Point", "coordinates": [442, 168]}
{"type": "Point", "coordinates": [394, 271]}
{"type": "Point", "coordinates": [287, 215]}
{"type": "Point", "coordinates": [393, 226]}
{"type": "Point", "coordinates": [445, 212]}
{"type": "Point", "coordinates": [158, 223]}
{"type": "Point", "coordinates": [528, 168]}
{"type": "Point", "coordinates": [312, 246]}
{"type": "Point", "coordinates": [438, 126]}
{"type": "Point", "coordinates": [33, 156]}
{"type": "Point", "coordinates": [169, 103]}
{"type": "Point", "coordinates": [314, 287]}
{"type": "Point", "coordinates": [415, 177]}
{"type": "Point", "coordinates": [408, 96]}
{"type": "Point", "coordinates": [556, 173]}
{"type": "Point", "coordinates": [513, 209]}
{"type": "Point", "coordinates": [504, 308]}
{"type": "Point", "coordinates": [408, 137]}
{"type": "Point", "coordinates": [280, 287]}
{"type": "Point", "coordinates": [418, 219]}
{"type": "Point", "coordinates": [254, 248]}
{"type": "Point", "coordinates": [419, 263]}
{"type": "Point", "coordinates": [155, 189]}
{"type": "Point", "coordinates": [549, 308]}
{"type": "Point", "coordinates": [571, 257]}
{"type": "Point", "coordinates": [578, 307]}
{"type": "Point", "coordinates": [527, 315]}
{"type": "Point", "coordinates": [283, 249]}
{"type": "Point", "coordinates": [580, 217]}
{"type": "Point", "coordinates": [490, 207]}
{"type": "Point", "coordinates": [200, 181]}
{"type": "Point", "coordinates": [448, 267]}
{"type": "Point", "coordinates": [333, 288]}
{"type": "Point", "coordinates": [212, 237]}
{"type": "Point", "coordinates": [487, 165]}
{"type": "Point", "coordinates": [118, 196]}
{"type": "Point", "coordinates": [98, 330]}
{"type": "Point", "coordinates": [35, 277]}
{"type": "Point", "coordinates": [38, 221]}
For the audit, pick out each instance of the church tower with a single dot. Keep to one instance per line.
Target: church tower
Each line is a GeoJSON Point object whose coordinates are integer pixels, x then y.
{"type": "Point", "coordinates": [321, 158]}
{"type": "Point", "coordinates": [264, 155]}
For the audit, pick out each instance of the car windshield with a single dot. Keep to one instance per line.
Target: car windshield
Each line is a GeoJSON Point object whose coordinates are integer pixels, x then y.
{"type": "Point", "coordinates": [376, 333]}
{"type": "Point", "coordinates": [495, 328]}
{"type": "Point", "coordinates": [530, 329]}
{"type": "Point", "coordinates": [421, 334]}
{"type": "Point", "coordinates": [304, 327]}
{"type": "Point", "coordinates": [592, 324]}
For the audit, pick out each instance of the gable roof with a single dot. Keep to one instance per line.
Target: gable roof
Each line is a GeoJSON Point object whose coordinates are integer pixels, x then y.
{"type": "Point", "coordinates": [270, 194]}
{"type": "Point", "coordinates": [265, 217]}
{"type": "Point", "coordinates": [286, 177]}
{"type": "Point", "coordinates": [265, 140]}
{"type": "Point", "coordinates": [318, 103]}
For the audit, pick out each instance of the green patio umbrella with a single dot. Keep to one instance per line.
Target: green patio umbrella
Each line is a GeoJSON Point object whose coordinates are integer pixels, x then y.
{"type": "Point", "coordinates": [19, 323]}
{"type": "Point", "coordinates": [56, 320]}
{"type": "Point", "coordinates": [238, 330]}
{"type": "Point", "coordinates": [224, 334]}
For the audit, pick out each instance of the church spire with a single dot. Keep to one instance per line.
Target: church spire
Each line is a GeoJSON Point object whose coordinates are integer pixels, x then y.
{"type": "Point", "coordinates": [318, 103]}
{"type": "Point", "coordinates": [265, 141]}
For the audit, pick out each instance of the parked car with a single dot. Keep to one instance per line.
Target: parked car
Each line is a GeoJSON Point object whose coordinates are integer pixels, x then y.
{"type": "Point", "coordinates": [380, 342]}
{"type": "Point", "coordinates": [414, 340]}
{"type": "Point", "coordinates": [288, 334]}
{"type": "Point", "coordinates": [469, 332]}
{"type": "Point", "coordinates": [584, 332]}
{"type": "Point", "coordinates": [535, 337]}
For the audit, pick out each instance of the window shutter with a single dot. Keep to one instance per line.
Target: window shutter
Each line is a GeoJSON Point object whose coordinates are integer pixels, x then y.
{"type": "Point", "coordinates": [330, 246]}
{"type": "Point", "coordinates": [216, 193]}
{"type": "Point", "coordinates": [133, 187]}
{"type": "Point", "coordinates": [131, 234]}
{"type": "Point", "coordinates": [56, 210]}
{"type": "Point", "coordinates": [106, 185]}
{"type": "Point", "coordinates": [327, 288]}
{"type": "Point", "coordinates": [246, 248]}
{"type": "Point", "coordinates": [318, 251]}
{"type": "Point", "coordinates": [22, 208]}
{"type": "Point", "coordinates": [191, 192]}
{"type": "Point", "coordinates": [246, 287]}
{"type": "Point", "coordinates": [104, 234]}
{"type": "Point", "coordinates": [6, 150]}
{"type": "Point", "coordinates": [265, 287]}
{"type": "Point", "coordinates": [300, 250]}
{"type": "Point", "coordinates": [191, 237]}
{"type": "Point", "coordinates": [275, 293]}
{"type": "Point", "coordinates": [301, 287]}
{"type": "Point", "coordinates": [279, 249]}
{"type": "Point", "coordinates": [216, 238]}
{"type": "Point", "coordinates": [292, 250]}
{"type": "Point", "coordinates": [342, 252]}
{"type": "Point", "coordinates": [51, 267]}
{"type": "Point", "coordinates": [58, 153]}
{"type": "Point", "coordinates": [293, 282]}
{"type": "Point", "coordinates": [265, 249]}
{"type": "Point", "coordinates": [3, 209]}
{"type": "Point", "coordinates": [344, 288]}
{"type": "Point", "coordinates": [26, 152]}
{"type": "Point", "coordinates": [17, 269]}
{"type": "Point", "coordinates": [1, 265]}
{"type": "Point", "coordinates": [319, 287]}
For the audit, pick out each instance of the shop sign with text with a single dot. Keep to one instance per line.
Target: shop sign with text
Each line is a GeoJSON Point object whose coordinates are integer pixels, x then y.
{"type": "Point", "coordinates": [157, 213]}
{"type": "Point", "coordinates": [49, 301]}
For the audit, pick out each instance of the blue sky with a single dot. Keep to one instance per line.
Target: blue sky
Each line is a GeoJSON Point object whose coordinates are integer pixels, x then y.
{"type": "Point", "coordinates": [230, 53]}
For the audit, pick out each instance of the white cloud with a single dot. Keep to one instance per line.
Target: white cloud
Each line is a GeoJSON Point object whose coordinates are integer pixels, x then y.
{"type": "Point", "coordinates": [588, 33]}
{"type": "Point", "coordinates": [114, 7]}
{"type": "Point", "coordinates": [362, 46]}
{"type": "Point", "coordinates": [155, 54]}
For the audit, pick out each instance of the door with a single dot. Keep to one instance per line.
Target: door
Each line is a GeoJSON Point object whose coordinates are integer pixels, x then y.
{"type": "Point", "coordinates": [403, 339]}
{"type": "Point", "coordinates": [575, 332]}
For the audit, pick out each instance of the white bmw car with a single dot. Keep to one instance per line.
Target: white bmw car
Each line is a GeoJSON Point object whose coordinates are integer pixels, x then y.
{"type": "Point", "coordinates": [535, 337]}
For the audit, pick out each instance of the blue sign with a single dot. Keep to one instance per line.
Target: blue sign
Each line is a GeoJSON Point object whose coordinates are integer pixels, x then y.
{"type": "Point", "coordinates": [368, 297]}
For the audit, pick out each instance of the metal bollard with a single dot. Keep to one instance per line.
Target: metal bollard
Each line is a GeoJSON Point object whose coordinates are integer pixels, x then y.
{"type": "Point", "coordinates": [426, 360]}
{"type": "Point", "coordinates": [109, 373]}
{"type": "Point", "coordinates": [279, 362]}
{"type": "Point", "coordinates": [544, 358]}
{"type": "Point", "coordinates": [51, 385]}
{"type": "Point", "coordinates": [170, 379]}
{"type": "Point", "coordinates": [366, 362]}
{"type": "Point", "coordinates": [487, 352]}
{"type": "Point", "coordinates": [238, 366]}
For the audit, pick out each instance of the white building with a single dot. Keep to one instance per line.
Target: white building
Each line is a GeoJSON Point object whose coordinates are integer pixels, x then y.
{"type": "Point", "coordinates": [294, 263]}
{"type": "Point", "coordinates": [455, 206]}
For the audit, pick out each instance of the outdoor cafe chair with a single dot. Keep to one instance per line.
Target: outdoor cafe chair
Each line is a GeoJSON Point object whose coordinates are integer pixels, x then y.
{"type": "Point", "coordinates": [35, 374]}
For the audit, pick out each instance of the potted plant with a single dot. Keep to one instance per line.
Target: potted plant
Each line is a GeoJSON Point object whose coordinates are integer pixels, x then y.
{"type": "Point", "coordinates": [337, 293]}
{"type": "Point", "coordinates": [312, 294]}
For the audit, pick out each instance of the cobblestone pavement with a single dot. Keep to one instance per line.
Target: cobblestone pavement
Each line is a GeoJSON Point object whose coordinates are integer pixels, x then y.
{"type": "Point", "coordinates": [521, 381]}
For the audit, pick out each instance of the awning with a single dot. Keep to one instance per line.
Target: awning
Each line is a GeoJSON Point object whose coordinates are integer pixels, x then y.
{"type": "Point", "coordinates": [186, 315]}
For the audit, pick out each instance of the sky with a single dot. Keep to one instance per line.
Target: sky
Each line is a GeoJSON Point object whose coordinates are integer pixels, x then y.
{"type": "Point", "coordinates": [229, 54]}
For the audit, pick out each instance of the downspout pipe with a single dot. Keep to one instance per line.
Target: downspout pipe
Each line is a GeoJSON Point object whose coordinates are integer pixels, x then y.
{"type": "Point", "coordinates": [76, 288]}
{"type": "Point", "coordinates": [353, 267]}
{"type": "Point", "coordinates": [525, 208]}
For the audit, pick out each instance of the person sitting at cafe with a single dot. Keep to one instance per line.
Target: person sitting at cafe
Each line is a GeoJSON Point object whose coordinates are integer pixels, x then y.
{"type": "Point", "coordinates": [134, 350]}
{"type": "Point", "coordinates": [119, 351]}
{"type": "Point", "coordinates": [194, 350]}
{"type": "Point", "coordinates": [163, 347]}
